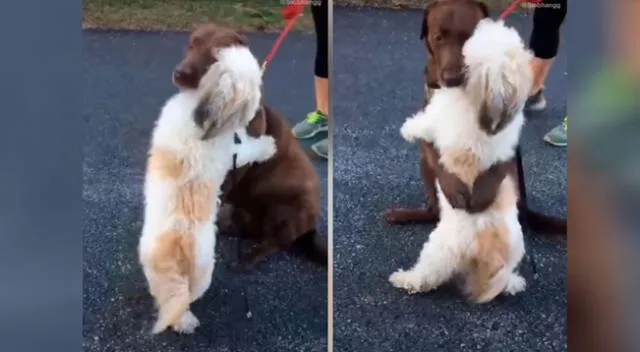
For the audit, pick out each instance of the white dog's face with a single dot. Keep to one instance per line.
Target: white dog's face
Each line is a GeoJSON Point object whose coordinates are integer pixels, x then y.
{"type": "Point", "coordinates": [221, 69]}
{"type": "Point", "coordinates": [499, 74]}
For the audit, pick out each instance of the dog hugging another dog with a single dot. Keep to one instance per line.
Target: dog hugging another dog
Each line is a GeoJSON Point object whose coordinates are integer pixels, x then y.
{"type": "Point", "coordinates": [474, 124]}
{"type": "Point", "coordinates": [216, 141]}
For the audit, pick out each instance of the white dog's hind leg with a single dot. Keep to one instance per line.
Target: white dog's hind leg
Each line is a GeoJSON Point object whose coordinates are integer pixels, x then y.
{"type": "Point", "coordinates": [253, 150]}
{"type": "Point", "coordinates": [418, 126]}
{"type": "Point", "coordinates": [204, 281]}
{"type": "Point", "coordinates": [437, 263]}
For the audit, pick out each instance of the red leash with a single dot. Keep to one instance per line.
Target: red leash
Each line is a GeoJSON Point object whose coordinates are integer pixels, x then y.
{"type": "Point", "coordinates": [511, 8]}
{"type": "Point", "coordinates": [276, 45]}
{"type": "Point", "coordinates": [292, 21]}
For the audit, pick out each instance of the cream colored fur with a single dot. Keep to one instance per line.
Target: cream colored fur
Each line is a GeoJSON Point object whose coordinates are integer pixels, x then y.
{"type": "Point", "coordinates": [183, 180]}
{"type": "Point", "coordinates": [485, 248]}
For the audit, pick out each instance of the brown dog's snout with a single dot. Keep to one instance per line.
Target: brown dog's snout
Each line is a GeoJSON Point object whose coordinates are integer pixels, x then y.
{"type": "Point", "coordinates": [452, 77]}
{"type": "Point", "coordinates": [185, 76]}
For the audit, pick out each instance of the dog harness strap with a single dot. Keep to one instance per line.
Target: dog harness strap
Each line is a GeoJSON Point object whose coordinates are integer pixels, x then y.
{"type": "Point", "coordinates": [523, 215]}
{"type": "Point", "coordinates": [236, 140]}
{"type": "Point", "coordinates": [245, 293]}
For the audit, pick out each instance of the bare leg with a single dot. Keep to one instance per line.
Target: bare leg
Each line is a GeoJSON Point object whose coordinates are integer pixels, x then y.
{"type": "Point", "coordinates": [322, 94]}
{"type": "Point", "coordinates": [540, 68]}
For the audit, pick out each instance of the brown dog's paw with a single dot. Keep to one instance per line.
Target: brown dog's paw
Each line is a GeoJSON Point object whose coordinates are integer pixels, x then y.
{"type": "Point", "coordinates": [257, 254]}
{"type": "Point", "coordinates": [404, 215]}
{"type": "Point", "coordinates": [459, 199]}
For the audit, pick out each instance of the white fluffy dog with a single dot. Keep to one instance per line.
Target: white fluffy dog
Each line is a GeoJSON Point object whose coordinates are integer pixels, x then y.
{"type": "Point", "coordinates": [194, 144]}
{"type": "Point", "coordinates": [474, 127]}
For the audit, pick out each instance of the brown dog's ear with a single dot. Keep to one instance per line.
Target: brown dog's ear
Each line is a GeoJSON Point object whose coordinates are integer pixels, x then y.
{"type": "Point", "coordinates": [425, 19]}
{"type": "Point", "coordinates": [483, 8]}
{"type": "Point", "coordinates": [425, 29]}
{"type": "Point", "coordinates": [424, 32]}
{"type": "Point", "coordinates": [431, 73]}
{"type": "Point", "coordinates": [258, 126]}
{"type": "Point", "coordinates": [242, 39]}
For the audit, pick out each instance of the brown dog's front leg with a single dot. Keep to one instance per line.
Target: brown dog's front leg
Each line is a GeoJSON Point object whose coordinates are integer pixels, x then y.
{"type": "Point", "coordinates": [431, 212]}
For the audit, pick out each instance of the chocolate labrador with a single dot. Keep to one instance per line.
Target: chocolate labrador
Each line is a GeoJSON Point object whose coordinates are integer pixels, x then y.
{"type": "Point", "coordinates": [276, 203]}
{"type": "Point", "coordinates": [446, 26]}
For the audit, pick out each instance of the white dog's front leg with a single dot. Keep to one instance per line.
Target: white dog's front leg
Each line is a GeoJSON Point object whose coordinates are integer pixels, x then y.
{"type": "Point", "coordinates": [418, 126]}
{"type": "Point", "coordinates": [255, 150]}
{"type": "Point", "coordinates": [437, 263]}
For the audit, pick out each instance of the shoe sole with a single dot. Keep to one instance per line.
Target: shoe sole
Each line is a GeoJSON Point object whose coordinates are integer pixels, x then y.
{"type": "Point", "coordinates": [541, 105]}
{"type": "Point", "coordinates": [555, 144]}
{"type": "Point", "coordinates": [315, 150]}
{"type": "Point", "coordinates": [312, 134]}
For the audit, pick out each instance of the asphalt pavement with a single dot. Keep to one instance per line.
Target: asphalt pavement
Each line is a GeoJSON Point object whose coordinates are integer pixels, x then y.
{"type": "Point", "coordinates": [127, 79]}
{"type": "Point", "coordinates": [377, 65]}
{"type": "Point", "coordinates": [377, 81]}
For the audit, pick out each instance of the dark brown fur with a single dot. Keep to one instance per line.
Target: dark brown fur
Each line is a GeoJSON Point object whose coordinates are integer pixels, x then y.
{"type": "Point", "coordinates": [198, 56]}
{"type": "Point", "coordinates": [446, 25]}
{"type": "Point", "coordinates": [277, 203]}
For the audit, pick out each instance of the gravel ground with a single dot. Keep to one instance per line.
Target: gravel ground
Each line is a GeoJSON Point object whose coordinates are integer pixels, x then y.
{"type": "Point", "coordinates": [377, 83]}
{"type": "Point", "coordinates": [127, 79]}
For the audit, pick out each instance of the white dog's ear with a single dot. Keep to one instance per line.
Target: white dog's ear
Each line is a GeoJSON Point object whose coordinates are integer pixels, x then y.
{"type": "Point", "coordinates": [493, 118]}
{"type": "Point", "coordinates": [223, 104]}
{"type": "Point", "coordinates": [501, 93]}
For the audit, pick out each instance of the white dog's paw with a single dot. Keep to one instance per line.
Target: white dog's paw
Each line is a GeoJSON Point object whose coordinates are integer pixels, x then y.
{"type": "Point", "coordinates": [188, 323]}
{"type": "Point", "coordinates": [515, 284]}
{"type": "Point", "coordinates": [269, 147]}
{"type": "Point", "coordinates": [408, 130]}
{"type": "Point", "coordinates": [406, 280]}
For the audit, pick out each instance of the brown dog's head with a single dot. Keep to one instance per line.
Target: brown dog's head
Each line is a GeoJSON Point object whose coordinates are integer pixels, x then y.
{"type": "Point", "coordinates": [199, 56]}
{"type": "Point", "coordinates": [219, 67]}
{"type": "Point", "coordinates": [446, 26]}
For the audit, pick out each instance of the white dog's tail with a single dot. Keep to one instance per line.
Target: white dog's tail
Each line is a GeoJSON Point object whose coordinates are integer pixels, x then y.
{"type": "Point", "coordinates": [499, 75]}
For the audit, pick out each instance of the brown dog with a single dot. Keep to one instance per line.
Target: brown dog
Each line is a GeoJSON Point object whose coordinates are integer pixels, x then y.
{"type": "Point", "coordinates": [446, 26]}
{"type": "Point", "coordinates": [277, 202]}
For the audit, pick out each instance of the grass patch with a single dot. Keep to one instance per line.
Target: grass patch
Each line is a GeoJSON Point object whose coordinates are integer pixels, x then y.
{"type": "Point", "coordinates": [248, 15]}
{"type": "Point", "coordinates": [494, 5]}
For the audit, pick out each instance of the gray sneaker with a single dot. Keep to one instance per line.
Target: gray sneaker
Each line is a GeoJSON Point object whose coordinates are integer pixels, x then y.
{"type": "Point", "coordinates": [536, 102]}
{"type": "Point", "coordinates": [321, 148]}
{"type": "Point", "coordinates": [314, 123]}
{"type": "Point", "coordinates": [558, 135]}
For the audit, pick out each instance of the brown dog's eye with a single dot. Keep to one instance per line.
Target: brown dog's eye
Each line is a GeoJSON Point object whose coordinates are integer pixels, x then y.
{"type": "Point", "coordinates": [437, 37]}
